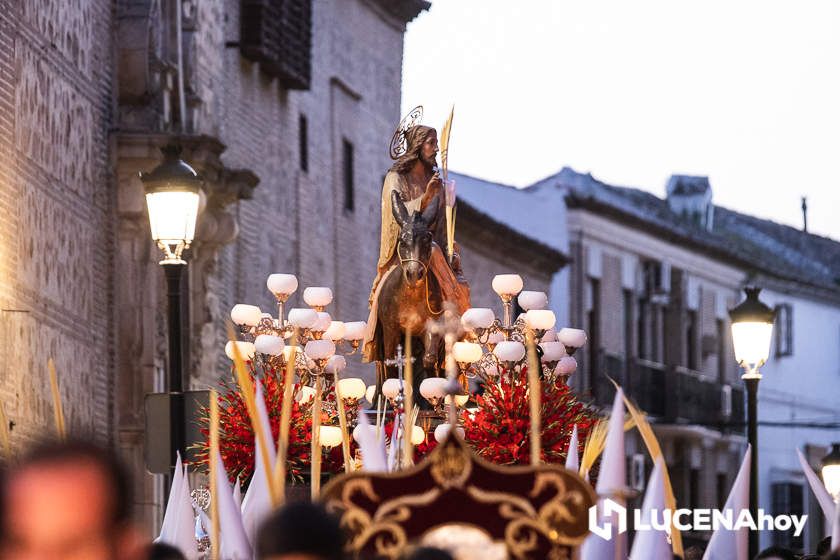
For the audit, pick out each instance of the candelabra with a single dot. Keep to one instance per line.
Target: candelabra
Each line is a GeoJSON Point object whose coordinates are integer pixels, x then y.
{"type": "Point", "coordinates": [317, 344]}
{"type": "Point", "coordinates": [492, 345]}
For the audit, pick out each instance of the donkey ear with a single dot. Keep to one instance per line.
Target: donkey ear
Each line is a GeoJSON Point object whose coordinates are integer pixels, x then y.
{"type": "Point", "coordinates": [398, 208]}
{"type": "Point", "coordinates": [431, 211]}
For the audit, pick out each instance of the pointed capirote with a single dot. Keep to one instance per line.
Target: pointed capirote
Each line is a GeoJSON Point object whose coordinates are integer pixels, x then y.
{"type": "Point", "coordinates": [572, 460]}
{"type": "Point", "coordinates": [373, 453]}
{"type": "Point", "coordinates": [611, 485]}
{"type": "Point", "coordinates": [733, 544]}
{"type": "Point", "coordinates": [185, 521]}
{"type": "Point", "coordinates": [256, 504]}
{"type": "Point", "coordinates": [818, 488]}
{"type": "Point", "coordinates": [234, 541]}
{"type": "Point", "coordinates": [237, 490]}
{"type": "Point", "coordinates": [167, 528]}
{"type": "Point", "coordinates": [653, 543]}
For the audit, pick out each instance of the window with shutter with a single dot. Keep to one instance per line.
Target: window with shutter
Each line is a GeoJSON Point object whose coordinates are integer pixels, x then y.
{"type": "Point", "coordinates": [278, 35]}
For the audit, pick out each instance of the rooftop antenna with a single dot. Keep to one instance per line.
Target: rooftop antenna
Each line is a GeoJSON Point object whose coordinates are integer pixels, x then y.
{"type": "Point", "coordinates": [805, 214]}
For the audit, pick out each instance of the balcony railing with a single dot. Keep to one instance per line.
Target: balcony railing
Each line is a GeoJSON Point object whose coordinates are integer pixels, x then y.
{"type": "Point", "coordinates": [674, 395]}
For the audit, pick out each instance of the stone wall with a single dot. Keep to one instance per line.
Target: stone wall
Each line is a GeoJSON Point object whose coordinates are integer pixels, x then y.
{"type": "Point", "coordinates": [56, 232]}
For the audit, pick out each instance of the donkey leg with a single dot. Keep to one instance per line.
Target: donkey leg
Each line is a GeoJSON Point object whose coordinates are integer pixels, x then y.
{"type": "Point", "coordinates": [431, 343]}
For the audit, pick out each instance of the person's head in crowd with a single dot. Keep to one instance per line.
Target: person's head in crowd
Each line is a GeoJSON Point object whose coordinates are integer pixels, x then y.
{"type": "Point", "coordinates": [67, 501]}
{"type": "Point", "coordinates": [824, 546]}
{"type": "Point", "coordinates": [777, 553]}
{"type": "Point", "coordinates": [300, 531]}
{"type": "Point", "coordinates": [693, 553]}
{"type": "Point", "coordinates": [163, 551]}
{"type": "Point", "coordinates": [428, 553]}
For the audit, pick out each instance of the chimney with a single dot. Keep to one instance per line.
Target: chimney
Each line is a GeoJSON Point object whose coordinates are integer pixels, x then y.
{"type": "Point", "coordinates": [691, 198]}
{"type": "Point", "coordinates": [805, 214]}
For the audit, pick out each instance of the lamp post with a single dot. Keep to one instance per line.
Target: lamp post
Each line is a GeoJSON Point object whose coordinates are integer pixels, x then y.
{"type": "Point", "coordinates": [831, 472]}
{"type": "Point", "coordinates": [752, 329]}
{"type": "Point", "coordinates": [172, 199]}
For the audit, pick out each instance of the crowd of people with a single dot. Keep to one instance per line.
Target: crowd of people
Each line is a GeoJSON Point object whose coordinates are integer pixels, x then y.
{"type": "Point", "coordinates": [69, 501]}
{"type": "Point", "coordinates": [73, 501]}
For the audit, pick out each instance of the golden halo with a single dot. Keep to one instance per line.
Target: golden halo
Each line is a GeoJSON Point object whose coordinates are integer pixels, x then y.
{"type": "Point", "coordinates": [398, 141]}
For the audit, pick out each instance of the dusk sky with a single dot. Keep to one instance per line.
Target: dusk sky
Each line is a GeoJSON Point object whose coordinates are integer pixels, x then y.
{"type": "Point", "coordinates": [746, 92]}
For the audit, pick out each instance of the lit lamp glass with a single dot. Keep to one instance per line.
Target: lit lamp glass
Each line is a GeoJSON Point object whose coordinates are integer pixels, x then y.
{"type": "Point", "coordinates": [418, 436]}
{"type": "Point", "coordinates": [358, 430]}
{"type": "Point", "coordinates": [532, 300]}
{"type": "Point", "coordinates": [282, 285]}
{"type": "Point", "coordinates": [246, 349]}
{"type": "Point", "coordinates": [319, 349]}
{"type": "Point", "coordinates": [317, 297]}
{"type": "Point", "coordinates": [507, 284]}
{"type": "Point", "coordinates": [391, 388]}
{"type": "Point", "coordinates": [443, 430]}
{"type": "Point", "coordinates": [354, 330]}
{"type": "Point", "coordinates": [477, 318]}
{"type": "Point", "coordinates": [572, 339]}
{"type": "Point", "coordinates": [752, 330]}
{"type": "Point", "coordinates": [172, 200]}
{"type": "Point", "coordinates": [269, 344]}
{"type": "Point", "coordinates": [540, 320]}
{"type": "Point", "coordinates": [335, 331]}
{"type": "Point", "coordinates": [351, 388]}
{"type": "Point", "coordinates": [460, 400]}
{"type": "Point", "coordinates": [336, 364]}
{"type": "Point", "coordinates": [245, 315]}
{"type": "Point", "coordinates": [831, 472]}
{"type": "Point", "coordinates": [433, 390]}
{"type": "Point", "coordinates": [305, 394]}
{"type": "Point", "coordinates": [371, 391]}
{"type": "Point", "coordinates": [466, 352]}
{"type": "Point", "coordinates": [302, 317]}
{"type": "Point", "coordinates": [330, 436]}
{"type": "Point", "coordinates": [509, 352]}
{"type": "Point", "coordinates": [322, 323]}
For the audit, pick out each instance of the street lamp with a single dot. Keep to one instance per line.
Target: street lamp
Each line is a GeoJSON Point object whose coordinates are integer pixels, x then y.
{"type": "Point", "coordinates": [752, 329]}
{"type": "Point", "coordinates": [172, 192]}
{"type": "Point", "coordinates": [831, 472]}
